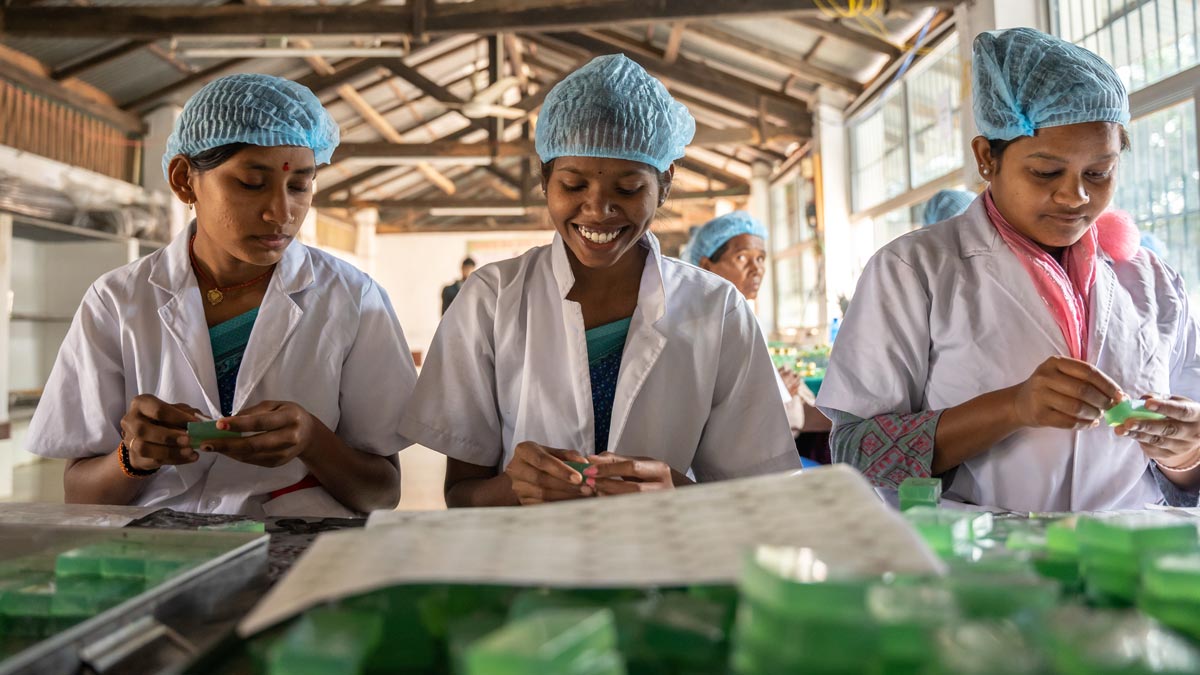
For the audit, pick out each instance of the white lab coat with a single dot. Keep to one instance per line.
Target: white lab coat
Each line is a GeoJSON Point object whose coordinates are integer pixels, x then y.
{"type": "Point", "coordinates": [948, 313]}
{"type": "Point", "coordinates": [509, 364]}
{"type": "Point", "coordinates": [326, 337]}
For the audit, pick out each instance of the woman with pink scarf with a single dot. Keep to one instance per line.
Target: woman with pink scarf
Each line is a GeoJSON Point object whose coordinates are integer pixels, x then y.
{"type": "Point", "coordinates": [985, 349]}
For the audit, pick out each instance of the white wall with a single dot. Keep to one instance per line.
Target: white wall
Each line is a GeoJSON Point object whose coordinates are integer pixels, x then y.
{"type": "Point", "coordinates": [413, 268]}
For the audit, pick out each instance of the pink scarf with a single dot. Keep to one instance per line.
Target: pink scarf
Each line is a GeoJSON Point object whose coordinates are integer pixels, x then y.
{"type": "Point", "coordinates": [1064, 287]}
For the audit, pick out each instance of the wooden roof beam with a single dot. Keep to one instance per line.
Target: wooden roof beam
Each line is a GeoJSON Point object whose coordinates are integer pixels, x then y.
{"type": "Point", "coordinates": [156, 22]}
{"type": "Point", "coordinates": [840, 31]}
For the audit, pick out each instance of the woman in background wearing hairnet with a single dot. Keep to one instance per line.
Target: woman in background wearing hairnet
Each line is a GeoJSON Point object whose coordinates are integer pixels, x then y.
{"type": "Point", "coordinates": [983, 349]}
{"type": "Point", "coordinates": [734, 247]}
{"type": "Point", "coordinates": [945, 205]}
{"type": "Point", "coordinates": [234, 320]}
{"type": "Point", "coordinates": [597, 348]}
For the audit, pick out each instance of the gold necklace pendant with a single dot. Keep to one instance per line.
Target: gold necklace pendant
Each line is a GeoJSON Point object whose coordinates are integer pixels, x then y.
{"type": "Point", "coordinates": [215, 297]}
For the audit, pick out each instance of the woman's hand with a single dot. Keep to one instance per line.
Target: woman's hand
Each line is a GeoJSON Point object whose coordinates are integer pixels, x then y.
{"type": "Point", "coordinates": [791, 380]}
{"type": "Point", "coordinates": [617, 475]}
{"type": "Point", "coordinates": [155, 432]}
{"type": "Point", "coordinates": [1174, 442]}
{"type": "Point", "coordinates": [285, 431]}
{"type": "Point", "coordinates": [539, 475]}
{"type": "Point", "coordinates": [1065, 394]}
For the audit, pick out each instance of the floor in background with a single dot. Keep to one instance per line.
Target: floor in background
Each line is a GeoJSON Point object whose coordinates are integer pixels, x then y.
{"type": "Point", "coordinates": [421, 469]}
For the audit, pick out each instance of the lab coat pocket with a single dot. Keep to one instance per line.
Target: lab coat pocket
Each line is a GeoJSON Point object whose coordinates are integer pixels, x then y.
{"type": "Point", "coordinates": [313, 502]}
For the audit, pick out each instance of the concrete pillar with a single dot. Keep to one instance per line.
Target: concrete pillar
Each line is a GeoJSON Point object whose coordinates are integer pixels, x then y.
{"type": "Point", "coordinates": [159, 123]}
{"type": "Point", "coordinates": [366, 222]}
{"type": "Point", "coordinates": [760, 207]}
{"type": "Point", "coordinates": [831, 154]}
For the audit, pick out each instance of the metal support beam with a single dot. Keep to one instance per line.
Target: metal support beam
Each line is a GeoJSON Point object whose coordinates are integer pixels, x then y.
{"type": "Point", "coordinates": [839, 31]}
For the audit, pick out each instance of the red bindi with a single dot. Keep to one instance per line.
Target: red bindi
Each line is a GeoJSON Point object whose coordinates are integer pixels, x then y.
{"type": "Point", "coordinates": [286, 166]}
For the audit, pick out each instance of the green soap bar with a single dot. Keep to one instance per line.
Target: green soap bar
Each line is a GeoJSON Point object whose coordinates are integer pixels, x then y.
{"type": "Point", "coordinates": [463, 632]}
{"type": "Point", "coordinates": [1083, 640]}
{"type": "Point", "coordinates": [1111, 588]}
{"type": "Point", "coordinates": [985, 648]}
{"type": "Point", "coordinates": [920, 492]}
{"type": "Point", "coordinates": [553, 640]}
{"type": "Point", "coordinates": [399, 610]}
{"type": "Point", "coordinates": [686, 631]}
{"type": "Point", "coordinates": [1137, 533]}
{"type": "Point", "coordinates": [198, 432]}
{"type": "Point", "coordinates": [805, 645]}
{"type": "Point", "coordinates": [944, 529]}
{"type": "Point", "coordinates": [326, 640]}
{"type": "Point", "coordinates": [1062, 540]}
{"type": "Point", "coordinates": [796, 584]}
{"type": "Point", "coordinates": [1130, 410]}
{"type": "Point", "coordinates": [1174, 576]}
{"type": "Point", "coordinates": [91, 595]}
{"type": "Point", "coordinates": [237, 526]}
{"type": "Point", "coordinates": [27, 601]}
{"type": "Point", "coordinates": [77, 562]}
{"type": "Point", "coordinates": [1065, 572]}
{"type": "Point", "coordinates": [1000, 597]}
{"type": "Point", "coordinates": [1022, 540]}
{"type": "Point", "coordinates": [1182, 615]}
{"type": "Point", "coordinates": [579, 466]}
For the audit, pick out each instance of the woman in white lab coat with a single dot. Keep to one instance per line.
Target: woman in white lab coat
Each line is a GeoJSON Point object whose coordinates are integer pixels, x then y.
{"type": "Point", "coordinates": [984, 348]}
{"type": "Point", "coordinates": [234, 320]}
{"type": "Point", "coordinates": [734, 247]}
{"type": "Point", "coordinates": [597, 348]}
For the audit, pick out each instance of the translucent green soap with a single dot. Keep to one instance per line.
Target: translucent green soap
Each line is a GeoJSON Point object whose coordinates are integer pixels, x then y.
{"type": "Point", "coordinates": [578, 466]}
{"type": "Point", "coordinates": [793, 583]}
{"type": "Point", "coordinates": [198, 432]}
{"type": "Point", "coordinates": [326, 640]}
{"type": "Point", "coordinates": [944, 529]}
{"type": "Point", "coordinates": [552, 641]}
{"type": "Point", "coordinates": [1136, 533]}
{"type": "Point", "coordinates": [920, 492]}
{"type": "Point", "coordinates": [1174, 576]}
{"type": "Point", "coordinates": [1130, 410]}
{"type": "Point", "coordinates": [1084, 641]}
{"type": "Point", "coordinates": [985, 648]}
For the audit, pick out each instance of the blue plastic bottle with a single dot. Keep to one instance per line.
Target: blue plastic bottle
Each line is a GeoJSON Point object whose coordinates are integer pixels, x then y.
{"type": "Point", "coordinates": [833, 329]}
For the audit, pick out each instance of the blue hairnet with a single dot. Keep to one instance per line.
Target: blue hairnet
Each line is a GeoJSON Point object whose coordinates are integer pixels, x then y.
{"type": "Point", "coordinates": [1152, 242]}
{"type": "Point", "coordinates": [611, 107]}
{"type": "Point", "coordinates": [1025, 80]}
{"type": "Point", "coordinates": [946, 204]}
{"type": "Point", "coordinates": [256, 109]}
{"type": "Point", "coordinates": [719, 230]}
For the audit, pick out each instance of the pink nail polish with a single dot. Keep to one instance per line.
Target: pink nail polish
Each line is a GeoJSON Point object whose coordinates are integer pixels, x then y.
{"type": "Point", "coordinates": [590, 471]}
{"type": "Point", "coordinates": [591, 482]}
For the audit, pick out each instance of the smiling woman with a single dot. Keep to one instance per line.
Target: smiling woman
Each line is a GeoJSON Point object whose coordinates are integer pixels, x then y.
{"type": "Point", "coordinates": [292, 350]}
{"type": "Point", "coordinates": [598, 349]}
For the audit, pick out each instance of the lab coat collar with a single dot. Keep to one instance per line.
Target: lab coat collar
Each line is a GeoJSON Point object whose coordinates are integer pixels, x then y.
{"type": "Point", "coordinates": [172, 271]}
{"type": "Point", "coordinates": [652, 293]}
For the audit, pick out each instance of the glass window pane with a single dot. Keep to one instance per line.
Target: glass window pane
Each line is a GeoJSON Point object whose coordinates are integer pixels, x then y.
{"type": "Point", "coordinates": [895, 223]}
{"type": "Point", "coordinates": [1145, 40]}
{"type": "Point", "coordinates": [878, 155]}
{"type": "Point", "coordinates": [935, 116]}
{"type": "Point", "coordinates": [1159, 183]}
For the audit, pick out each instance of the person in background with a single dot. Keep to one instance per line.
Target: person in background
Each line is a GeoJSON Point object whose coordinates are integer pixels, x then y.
{"type": "Point", "coordinates": [945, 205]}
{"type": "Point", "coordinates": [984, 349]}
{"type": "Point", "coordinates": [734, 247]}
{"type": "Point", "coordinates": [451, 291]}
{"type": "Point", "coordinates": [237, 321]}
{"type": "Point", "coordinates": [598, 349]}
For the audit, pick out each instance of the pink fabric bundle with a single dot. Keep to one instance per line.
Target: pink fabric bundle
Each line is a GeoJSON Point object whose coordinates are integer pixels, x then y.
{"type": "Point", "coordinates": [1065, 287]}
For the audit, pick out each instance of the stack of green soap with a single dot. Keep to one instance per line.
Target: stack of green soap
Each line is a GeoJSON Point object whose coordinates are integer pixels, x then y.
{"type": "Point", "coordinates": [1171, 591]}
{"type": "Point", "coordinates": [909, 613]}
{"type": "Point", "coordinates": [945, 529]}
{"type": "Point", "coordinates": [985, 648]}
{"type": "Point", "coordinates": [566, 641]}
{"type": "Point", "coordinates": [25, 606]}
{"type": "Point", "coordinates": [674, 633]}
{"type": "Point", "coordinates": [794, 617]}
{"type": "Point", "coordinates": [1130, 410]}
{"type": "Point", "coordinates": [920, 492]}
{"type": "Point", "coordinates": [1001, 587]}
{"type": "Point", "coordinates": [326, 640]}
{"type": "Point", "coordinates": [1084, 641]}
{"type": "Point", "coordinates": [1111, 550]}
{"type": "Point", "coordinates": [1060, 559]}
